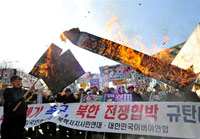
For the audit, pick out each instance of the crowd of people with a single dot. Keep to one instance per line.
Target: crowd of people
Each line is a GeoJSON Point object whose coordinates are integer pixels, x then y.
{"type": "Point", "coordinates": [14, 95]}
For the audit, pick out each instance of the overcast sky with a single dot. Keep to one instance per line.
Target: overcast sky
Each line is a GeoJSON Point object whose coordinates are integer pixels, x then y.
{"type": "Point", "coordinates": [28, 27]}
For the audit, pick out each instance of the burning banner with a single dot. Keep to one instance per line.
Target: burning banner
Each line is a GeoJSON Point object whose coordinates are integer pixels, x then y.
{"type": "Point", "coordinates": [57, 71]}
{"type": "Point", "coordinates": [189, 54]}
{"type": "Point", "coordinates": [145, 64]}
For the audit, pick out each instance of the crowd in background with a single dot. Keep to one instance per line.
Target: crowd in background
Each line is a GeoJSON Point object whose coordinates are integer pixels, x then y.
{"type": "Point", "coordinates": [138, 94]}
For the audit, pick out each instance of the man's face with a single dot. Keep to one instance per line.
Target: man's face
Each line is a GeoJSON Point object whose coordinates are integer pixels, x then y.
{"type": "Point", "coordinates": [105, 89]}
{"type": "Point", "coordinates": [80, 91]}
{"type": "Point", "coordinates": [113, 91]}
{"type": "Point", "coordinates": [136, 90]}
{"type": "Point", "coordinates": [130, 90]}
{"type": "Point", "coordinates": [17, 83]}
{"type": "Point", "coordinates": [94, 90]}
{"type": "Point", "coordinates": [44, 94]}
{"type": "Point", "coordinates": [67, 93]}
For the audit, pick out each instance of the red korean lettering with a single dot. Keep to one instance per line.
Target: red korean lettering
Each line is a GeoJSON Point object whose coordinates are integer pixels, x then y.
{"type": "Point", "coordinates": [151, 111]}
{"type": "Point", "coordinates": [82, 110]}
{"type": "Point", "coordinates": [136, 112]}
{"type": "Point", "coordinates": [110, 112]}
{"type": "Point", "coordinates": [1, 119]}
{"type": "Point", "coordinates": [38, 110]}
{"type": "Point", "coordinates": [29, 111]}
{"type": "Point", "coordinates": [123, 110]}
{"type": "Point", "coordinates": [93, 109]}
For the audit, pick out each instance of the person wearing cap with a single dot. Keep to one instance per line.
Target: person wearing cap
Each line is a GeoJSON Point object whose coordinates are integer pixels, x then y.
{"type": "Point", "coordinates": [66, 97]}
{"type": "Point", "coordinates": [13, 121]}
{"type": "Point", "coordinates": [135, 95]}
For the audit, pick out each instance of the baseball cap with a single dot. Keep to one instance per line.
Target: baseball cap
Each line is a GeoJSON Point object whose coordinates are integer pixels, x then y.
{"type": "Point", "coordinates": [67, 90]}
{"type": "Point", "coordinates": [15, 77]}
{"type": "Point", "coordinates": [130, 87]}
{"type": "Point", "coordinates": [94, 87]}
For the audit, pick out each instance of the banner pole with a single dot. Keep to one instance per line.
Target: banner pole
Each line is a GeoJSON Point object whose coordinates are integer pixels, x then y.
{"type": "Point", "coordinates": [104, 135]}
{"type": "Point", "coordinates": [120, 135]}
{"type": "Point", "coordinates": [86, 134]}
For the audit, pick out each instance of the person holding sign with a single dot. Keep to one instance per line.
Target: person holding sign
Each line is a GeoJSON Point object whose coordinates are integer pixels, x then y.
{"type": "Point", "coordinates": [14, 121]}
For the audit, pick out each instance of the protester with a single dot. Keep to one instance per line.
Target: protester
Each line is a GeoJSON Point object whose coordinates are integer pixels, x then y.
{"type": "Point", "coordinates": [78, 94]}
{"type": "Point", "coordinates": [144, 93]}
{"type": "Point", "coordinates": [14, 121]}
{"type": "Point", "coordinates": [135, 95]}
{"type": "Point", "coordinates": [66, 97]}
{"type": "Point", "coordinates": [121, 90]}
{"type": "Point", "coordinates": [100, 92]}
{"type": "Point", "coordinates": [32, 131]}
{"type": "Point", "coordinates": [48, 128]}
{"type": "Point", "coordinates": [106, 90]}
{"type": "Point", "coordinates": [112, 90]}
{"type": "Point", "coordinates": [94, 90]}
{"type": "Point", "coordinates": [44, 125]}
{"type": "Point", "coordinates": [136, 90]}
{"type": "Point", "coordinates": [158, 94]}
{"type": "Point", "coordinates": [87, 91]}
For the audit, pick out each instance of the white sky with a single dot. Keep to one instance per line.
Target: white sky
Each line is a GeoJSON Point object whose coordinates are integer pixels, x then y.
{"type": "Point", "coordinates": [28, 27]}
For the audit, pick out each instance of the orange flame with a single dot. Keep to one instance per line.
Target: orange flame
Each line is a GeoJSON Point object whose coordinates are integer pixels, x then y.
{"type": "Point", "coordinates": [63, 37]}
{"type": "Point", "coordinates": [141, 62]}
{"type": "Point", "coordinates": [46, 68]}
{"type": "Point", "coordinates": [137, 40]}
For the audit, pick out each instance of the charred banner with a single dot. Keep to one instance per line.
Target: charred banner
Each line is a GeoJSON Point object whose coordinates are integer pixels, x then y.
{"type": "Point", "coordinates": [145, 64]}
{"type": "Point", "coordinates": [57, 71]}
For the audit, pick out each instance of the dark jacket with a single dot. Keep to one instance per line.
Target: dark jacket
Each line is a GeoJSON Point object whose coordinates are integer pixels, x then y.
{"type": "Point", "coordinates": [64, 99]}
{"type": "Point", "coordinates": [48, 99]}
{"type": "Point", "coordinates": [11, 98]}
{"type": "Point", "coordinates": [136, 97]}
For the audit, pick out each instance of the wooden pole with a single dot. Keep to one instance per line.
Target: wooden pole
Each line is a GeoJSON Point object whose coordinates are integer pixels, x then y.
{"type": "Point", "coordinates": [35, 93]}
{"type": "Point", "coordinates": [25, 95]}
{"type": "Point", "coordinates": [121, 136]}
{"type": "Point", "coordinates": [104, 135]}
{"type": "Point", "coordinates": [86, 134]}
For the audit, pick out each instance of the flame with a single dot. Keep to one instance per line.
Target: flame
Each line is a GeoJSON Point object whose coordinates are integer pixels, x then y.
{"type": "Point", "coordinates": [141, 62]}
{"type": "Point", "coordinates": [148, 65]}
{"type": "Point", "coordinates": [46, 68]}
{"type": "Point", "coordinates": [110, 32]}
{"type": "Point", "coordinates": [63, 37]}
{"type": "Point", "coordinates": [111, 23]}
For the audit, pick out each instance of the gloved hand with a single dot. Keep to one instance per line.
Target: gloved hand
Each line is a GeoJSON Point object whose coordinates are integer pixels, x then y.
{"type": "Point", "coordinates": [22, 99]}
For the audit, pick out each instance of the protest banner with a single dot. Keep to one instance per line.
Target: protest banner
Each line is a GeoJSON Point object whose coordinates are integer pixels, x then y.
{"type": "Point", "coordinates": [167, 119]}
{"type": "Point", "coordinates": [123, 97]}
{"type": "Point", "coordinates": [91, 98]}
{"type": "Point", "coordinates": [83, 85]}
{"type": "Point", "coordinates": [94, 82]}
{"type": "Point", "coordinates": [6, 75]}
{"type": "Point", "coordinates": [115, 72]}
{"type": "Point", "coordinates": [109, 97]}
{"type": "Point", "coordinates": [119, 82]}
{"type": "Point", "coordinates": [57, 70]}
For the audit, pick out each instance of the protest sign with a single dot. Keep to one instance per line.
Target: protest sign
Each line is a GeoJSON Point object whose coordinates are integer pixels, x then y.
{"type": "Point", "coordinates": [57, 70]}
{"type": "Point", "coordinates": [115, 72]}
{"type": "Point", "coordinates": [91, 98]}
{"type": "Point", "coordinates": [167, 119]}
{"type": "Point", "coordinates": [119, 82]}
{"type": "Point", "coordinates": [94, 82]}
